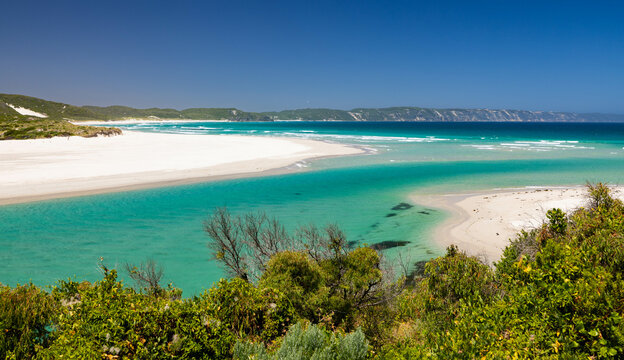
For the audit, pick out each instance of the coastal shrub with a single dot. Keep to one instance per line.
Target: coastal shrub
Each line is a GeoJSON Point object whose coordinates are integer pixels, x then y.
{"type": "Point", "coordinates": [356, 287]}
{"type": "Point", "coordinates": [524, 245]}
{"type": "Point", "coordinates": [22, 127]}
{"type": "Point", "coordinates": [600, 197]}
{"type": "Point", "coordinates": [300, 279]}
{"type": "Point", "coordinates": [346, 291]}
{"type": "Point", "coordinates": [147, 276]}
{"type": "Point", "coordinates": [549, 307]}
{"type": "Point", "coordinates": [108, 320]}
{"type": "Point", "coordinates": [428, 312]}
{"type": "Point", "coordinates": [557, 223]}
{"type": "Point", "coordinates": [244, 244]}
{"type": "Point", "coordinates": [309, 342]}
{"type": "Point", "coordinates": [452, 282]}
{"type": "Point", "coordinates": [458, 277]}
{"type": "Point", "coordinates": [249, 311]}
{"type": "Point", "coordinates": [324, 279]}
{"type": "Point", "coordinates": [26, 316]}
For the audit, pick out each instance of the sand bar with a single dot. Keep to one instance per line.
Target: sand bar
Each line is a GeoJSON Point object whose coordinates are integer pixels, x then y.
{"type": "Point", "coordinates": [59, 167]}
{"type": "Point", "coordinates": [482, 223]}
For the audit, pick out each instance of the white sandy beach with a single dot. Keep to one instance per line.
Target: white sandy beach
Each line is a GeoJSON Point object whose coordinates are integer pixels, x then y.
{"type": "Point", "coordinates": [58, 167]}
{"type": "Point", "coordinates": [482, 223]}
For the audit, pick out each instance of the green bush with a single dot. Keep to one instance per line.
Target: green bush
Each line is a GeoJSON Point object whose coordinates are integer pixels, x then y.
{"type": "Point", "coordinates": [26, 316]}
{"type": "Point", "coordinates": [262, 313]}
{"type": "Point", "coordinates": [452, 282]}
{"type": "Point", "coordinates": [28, 128]}
{"type": "Point", "coordinates": [311, 342]}
{"type": "Point", "coordinates": [107, 319]}
{"type": "Point", "coordinates": [557, 221]}
{"type": "Point", "coordinates": [345, 290]}
{"type": "Point", "coordinates": [300, 279]}
{"type": "Point", "coordinates": [524, 245]}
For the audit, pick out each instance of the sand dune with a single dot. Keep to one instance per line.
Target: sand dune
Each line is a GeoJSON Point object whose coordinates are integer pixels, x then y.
{"type": "Point", "coordinates": [27, 112]}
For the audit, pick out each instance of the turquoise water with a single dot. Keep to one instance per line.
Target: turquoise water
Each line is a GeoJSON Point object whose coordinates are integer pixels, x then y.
{"type": "Point", "coordinates": [50, 240]}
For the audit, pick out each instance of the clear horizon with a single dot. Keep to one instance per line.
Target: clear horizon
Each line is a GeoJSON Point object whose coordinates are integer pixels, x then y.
{"type": "Point", "coordinates": [257, 56]}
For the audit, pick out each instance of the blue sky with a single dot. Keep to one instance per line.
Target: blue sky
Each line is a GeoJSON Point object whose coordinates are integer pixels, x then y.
{"type": "Point", "coordinates": [273, 55]}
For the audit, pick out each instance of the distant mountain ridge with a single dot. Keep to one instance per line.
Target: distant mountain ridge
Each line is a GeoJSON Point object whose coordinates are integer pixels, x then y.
{"type": "Point", "coordinates": [55, 110]}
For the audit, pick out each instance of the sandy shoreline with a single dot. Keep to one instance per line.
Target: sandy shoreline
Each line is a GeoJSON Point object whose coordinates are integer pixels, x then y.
{"type": "Point", "coordinates": [41, 169]}
{"type": "Point", "coordinates": [481, 223]}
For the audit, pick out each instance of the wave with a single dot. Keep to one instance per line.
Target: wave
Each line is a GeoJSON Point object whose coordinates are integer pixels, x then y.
{"type": "Point", "coordinates": [537, 145]}
{"type": "Point", "coordinates": [361, 138]}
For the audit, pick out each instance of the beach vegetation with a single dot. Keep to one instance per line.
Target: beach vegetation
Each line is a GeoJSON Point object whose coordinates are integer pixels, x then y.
{"type": "Point", "coordinates": [324, 279]}
{"type": "Point", "coordinates": [557, 222]}
{"type": "Point", "coordinates": [308, 341]}
{"type": "Point", "coordinates": [27, 314]}
{"type": "Point", "coordinates": [15, 126]}
{"type": "Point", "coordinates": [147, 276]}
{"type": "Point", "coordinates": [107, 319]}
{"type": "Point", "coordinates": [21, 127]}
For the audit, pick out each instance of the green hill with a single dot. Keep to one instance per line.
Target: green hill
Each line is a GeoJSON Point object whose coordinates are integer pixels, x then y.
{"type": "Point", "coordinates": [14, 125]}
{"type": "Point", "coordinates": [124, 112]}
{"type": "Point", "coordinates": [222, 114]}
{"type": "Point", "coordinates": [55, 110]}
{"type": "Point", "coordinates": [311, 114]}
{"type": "Point", "coordinates": [7, 112]}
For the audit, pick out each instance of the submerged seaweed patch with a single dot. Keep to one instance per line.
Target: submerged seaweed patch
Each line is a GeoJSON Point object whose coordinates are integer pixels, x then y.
{"type": "Point", "coordinates": [402, 206]}
{"type": "Point", "coordinates": [388, 244]}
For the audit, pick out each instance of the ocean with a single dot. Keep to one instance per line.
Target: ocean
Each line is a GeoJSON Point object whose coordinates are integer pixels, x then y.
{"type": "Point", "coordinates": [57, 239]}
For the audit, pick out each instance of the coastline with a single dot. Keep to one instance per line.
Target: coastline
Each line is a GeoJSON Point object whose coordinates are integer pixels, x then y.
{"type": "Point", "coordinates": [482, 223]}
{"type": "Point", "coordinates": [141, 121]}
{"type": "Point", "coordinates": [42, 169]}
